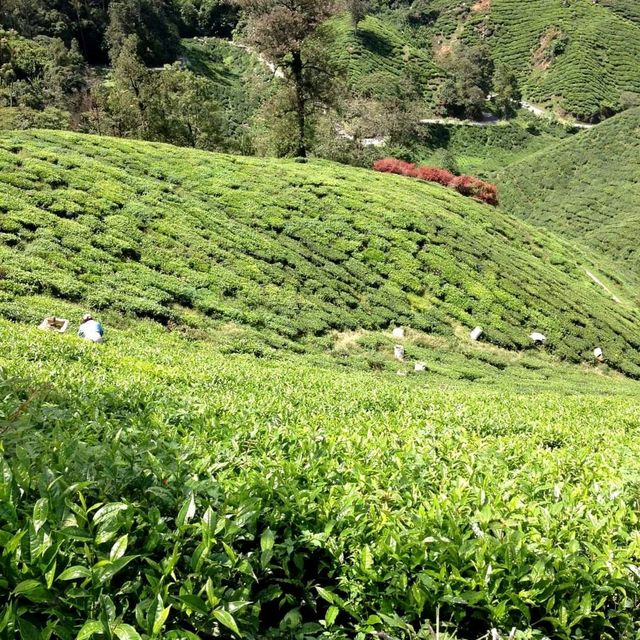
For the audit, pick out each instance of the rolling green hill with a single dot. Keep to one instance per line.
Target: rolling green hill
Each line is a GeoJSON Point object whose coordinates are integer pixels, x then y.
{"type": "Point", "coordinates": [586, 188]}
{"type": "Point", "coordinates": [170, 484]}
{"type": "Point", "coordinates": [279, 254]}
{"type": "Point", "coordinates": [575, 56]}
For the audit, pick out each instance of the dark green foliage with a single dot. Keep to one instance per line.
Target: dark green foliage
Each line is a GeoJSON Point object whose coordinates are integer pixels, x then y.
{"type": "Point", "coordinates": [40, 73]}
{"type": "Point", "coordinates": [208, 17]}
{"type": "Point", "coordinates": [586, 188]}
{"type": "Point", "coordinates": [464, 92]}
{"type": "Point", "coordinates": [506, 92]}
{"type": "Point", "coordinates": [291, 250]}
{"type": "Point", "coordinates": [70, 20]}
{"type": "Point", "coordinates": [154, 24]}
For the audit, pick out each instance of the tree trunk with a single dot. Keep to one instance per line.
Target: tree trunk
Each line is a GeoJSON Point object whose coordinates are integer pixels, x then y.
{"type": "Point", "coordinates": [296, 69]}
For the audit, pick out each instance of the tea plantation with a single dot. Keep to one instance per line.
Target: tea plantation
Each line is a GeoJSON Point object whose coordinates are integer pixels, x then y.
{"type": "Point", "coordinates": [288, 252]}
{"type": "Point", "coordinates": [585, 188]}
{"type": "Point", "coordinates": [154, 488]}
{"type": "Point", "coordinates": [576, 56]}
{"type": "Point", "coordinates": [481, 151]}
{"type": "Point", "coordinates": [381, 61]}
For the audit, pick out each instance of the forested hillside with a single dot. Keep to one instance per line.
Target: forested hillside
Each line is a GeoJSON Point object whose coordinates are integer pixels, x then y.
{"type": "Point", "coordinates": [586, 188]}
{"type": "Point", "coordinates": [143, 69]}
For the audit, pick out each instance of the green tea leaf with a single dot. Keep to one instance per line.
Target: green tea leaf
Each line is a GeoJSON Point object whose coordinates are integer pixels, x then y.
{"type": "Point", "coordinates": [75, 572]}
{"type": "Point", "coordinates": [331, 615]}
{"type": "Point", "coordinates": [267, 540]}
{"type": "Point", "coordinates": [187, 511]}
{"type": "Point", "coordinates": [108, 512]}
{"type": "Point", "coordinates": [40, 512]}
{"type": "Point", "coordinates": [90, 628]}
{"type": "Point", "coordinates": [126, 632]}
{"type": "Point", "coordinates": [119, 548]}
{"type": "Point", "coordinates": [194, 603]}
{"type": "Point", "coordinates": [225, 618]}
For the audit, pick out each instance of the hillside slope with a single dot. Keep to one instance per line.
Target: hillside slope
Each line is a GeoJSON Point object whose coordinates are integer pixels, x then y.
{"type": "Point", "coordinates": [287, 251]}
{"type": "Point", "coordinates": [380, 61]}
{"type": "Point", "coordinates": [586, 188]}
{"type": "Point", "coordinates": [578, 57]}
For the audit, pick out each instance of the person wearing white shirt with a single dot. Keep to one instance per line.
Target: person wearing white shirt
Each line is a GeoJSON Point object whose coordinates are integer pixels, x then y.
{"type": "Point", "coordinates": [90, 329]}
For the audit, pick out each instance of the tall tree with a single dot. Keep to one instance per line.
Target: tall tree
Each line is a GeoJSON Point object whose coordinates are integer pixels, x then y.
{"type": "Point", "coordinates": [506, 92]}
{"type": "Point", "coordinates": [465, 91]}
{"type": "Point", "coordinates": [281, 30]}
{"type": "Point", "coordinates": [358, 10]}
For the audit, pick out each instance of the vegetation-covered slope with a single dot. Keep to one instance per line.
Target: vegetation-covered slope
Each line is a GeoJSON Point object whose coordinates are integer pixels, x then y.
{"type": "Point", "coordinates": [153, 488]}
{"type": "Point", "coordinates": [380, 61]}
{"type": "Point", "coordinates": [291, 250]}
{"type": "Point", "coordinates": [626, 8]}
{"type": "Point", "coordinates": [586, 188]}
{"type": "Point", "coordinates": [578, 56]}
{"type": "Point", "coordinates": [484, 150]}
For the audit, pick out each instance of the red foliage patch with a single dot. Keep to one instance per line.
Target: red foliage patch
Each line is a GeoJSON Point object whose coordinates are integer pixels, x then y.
{"type": "Point", "coordinates": [433, 174]}
{"type": "Point", "coordinates": [466, 185]}
{"type": "Point", "coordinates": [392, 165]}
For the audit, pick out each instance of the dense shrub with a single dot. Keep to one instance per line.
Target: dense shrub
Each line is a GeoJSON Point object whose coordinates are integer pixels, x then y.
{"type": "Point", "coordinates": [392, 165]}
{"type": "Point", "coordinates": [433, 174]}
{"type": "Point", "coordinates": [466, 185]}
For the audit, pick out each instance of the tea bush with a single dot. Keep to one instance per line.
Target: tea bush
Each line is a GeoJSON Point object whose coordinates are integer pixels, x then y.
{"type": "Point", "coordinates": [154, 488]}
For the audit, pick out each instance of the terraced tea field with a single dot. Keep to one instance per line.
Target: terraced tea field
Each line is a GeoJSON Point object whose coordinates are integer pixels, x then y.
{"type": "Point", "coordinates": [278, 254]}
{"type": "Point", "coordinates": [586, 188]}
{"type": "Point", "coordinates": [378, 58]}
{"type": "Point", "coordinates": [482, 151]}
{"type": "Point", "coordinates": [577, 57]}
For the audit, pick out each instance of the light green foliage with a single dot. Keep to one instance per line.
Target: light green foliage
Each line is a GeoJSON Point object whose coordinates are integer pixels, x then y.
{"type": "Point", "coordinates": [292, 251]}
{"type": "Point", "coordinates": [154, 488]}
{"type": "Point", "coordinates": [482, 151]}
{"type": "Point", "coordinates": [586, 188]}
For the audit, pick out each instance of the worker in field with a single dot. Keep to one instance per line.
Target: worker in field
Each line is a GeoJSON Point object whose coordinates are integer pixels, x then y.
{"type": "Point", "coordinates": [51, 323]}
{"type": "Point", "coordinates": [90, 329]}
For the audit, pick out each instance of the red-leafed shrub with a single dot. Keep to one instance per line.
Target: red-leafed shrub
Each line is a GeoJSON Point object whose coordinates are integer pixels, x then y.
{"type": "Point", "coordinates": [433, 174]}
{"type": "Point", "coordinates": [466, 185]}
{"type": "Point", "coordinates": [470, 186]}
{"type": "Point", "coordinates": [392, 165]}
